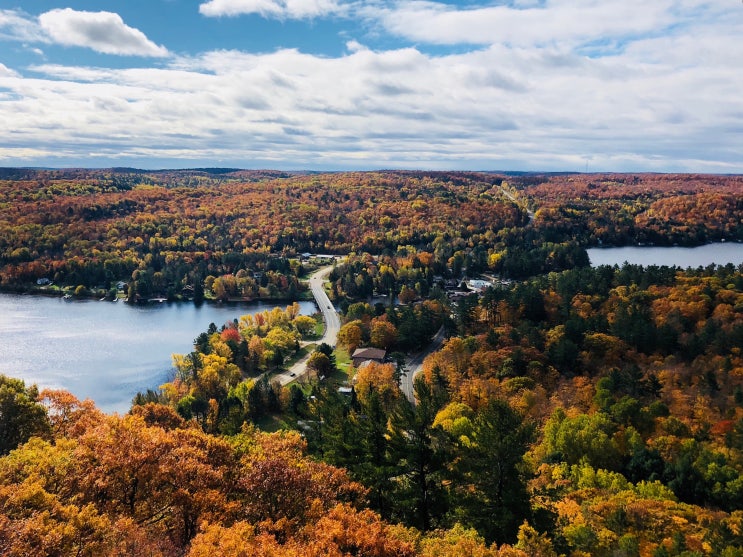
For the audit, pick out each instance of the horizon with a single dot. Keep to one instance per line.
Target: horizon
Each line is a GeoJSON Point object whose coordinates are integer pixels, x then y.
{"type": "Point", "coordinates": [229, 170]}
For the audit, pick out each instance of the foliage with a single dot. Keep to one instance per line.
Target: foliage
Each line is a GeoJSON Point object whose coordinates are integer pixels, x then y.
{"type": "Point", "coordinates": [578, 411]}
{"type": "Point", "coordinates": [21, 416]}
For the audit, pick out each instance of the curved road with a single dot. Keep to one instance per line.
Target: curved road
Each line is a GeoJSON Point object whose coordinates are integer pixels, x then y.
{"type": "Point", "coordinates": [414, 364]}
{"type": "Point", "coordinates": [331, 317]}
{"type": "Point", "coordinates": [332, 325]}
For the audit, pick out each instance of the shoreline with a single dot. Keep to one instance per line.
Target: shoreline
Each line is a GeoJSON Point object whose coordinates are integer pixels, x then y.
{"type": "Point", "coordinates": [31, 291]}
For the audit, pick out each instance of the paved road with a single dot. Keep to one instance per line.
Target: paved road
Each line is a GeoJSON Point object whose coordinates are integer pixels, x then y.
{"type": "Point", "coordinates": [332, 326]}
{"type": "Point", "coordinates": [512, 197]}
{"type": "Point", "coordinates": [415, 364]}
{"type": "Point", "coordinates": [331, 317]}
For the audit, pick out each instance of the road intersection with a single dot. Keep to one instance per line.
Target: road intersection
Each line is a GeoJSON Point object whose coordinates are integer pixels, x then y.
{"type": "Point", "coordinates": [413, 365]}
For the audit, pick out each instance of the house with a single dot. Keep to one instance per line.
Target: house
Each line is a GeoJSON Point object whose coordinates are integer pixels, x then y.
{"type": "Point", "coordinates": [362, 355]}
{"type": "Point", "coordinates": [477, 285]}
{"type": "Point", "coordinates": [451, 284]}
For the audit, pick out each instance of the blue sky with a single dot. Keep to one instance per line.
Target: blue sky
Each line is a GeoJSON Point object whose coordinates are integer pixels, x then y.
{"type": "Point", "coordinates": [602, 85]}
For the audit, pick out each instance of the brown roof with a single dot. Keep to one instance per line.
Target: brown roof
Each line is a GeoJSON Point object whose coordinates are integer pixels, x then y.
{"type": "Point", "coordinates": [369, 354]}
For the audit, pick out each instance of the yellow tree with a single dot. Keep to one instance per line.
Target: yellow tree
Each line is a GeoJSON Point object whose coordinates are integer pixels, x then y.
{"type": "Point", "coordinates": [379, 378]}
{"type": "Point", "coordinates": [350, 335]}
{"type": "Point", "coordinates": [383, 333]}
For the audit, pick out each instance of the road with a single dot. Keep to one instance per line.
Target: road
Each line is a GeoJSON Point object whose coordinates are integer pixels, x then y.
{"type": "Point", "coordinates": [512, 197]}
{"type": "Point", "coordinates": [414, 364]}
{"type": "Point", "coordinates": [332, 326]}
{"type": "Point", "coordinates": [331, 317]}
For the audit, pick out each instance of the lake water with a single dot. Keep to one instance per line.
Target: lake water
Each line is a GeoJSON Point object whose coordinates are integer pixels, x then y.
{"type": "Point", "coordinates": [105, 351]}
{"type": "Point", "coordinates": [719, 253]}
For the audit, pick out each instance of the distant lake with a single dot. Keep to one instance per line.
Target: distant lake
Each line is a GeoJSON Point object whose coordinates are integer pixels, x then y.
{"type": "Point", "coordinates": [105, 351]}
{"type": "Point", "coordinates": [719, 254]}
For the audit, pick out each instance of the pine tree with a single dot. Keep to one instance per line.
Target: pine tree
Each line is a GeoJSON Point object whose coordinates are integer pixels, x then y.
{"type": "Point", "coordinates": [420, 453]}
{"type": "Point", "coordinates": [493, 497]}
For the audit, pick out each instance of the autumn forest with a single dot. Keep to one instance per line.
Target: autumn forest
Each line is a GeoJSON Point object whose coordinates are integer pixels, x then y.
{"type": "Point", "coordinates": [569, 410]}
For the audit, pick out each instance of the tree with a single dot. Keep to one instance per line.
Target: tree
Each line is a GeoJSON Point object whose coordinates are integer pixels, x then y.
{"type": "Point", "coordinates": [305, 325]}
{"type": "Point", "coordinates": [346, 531]}
{"type": "Point", "coordinates": [455, 542]}
{"type": "Point", "coordinates": [326, 349]}
{"type": "Point", "coordinates": [350, 335]}
{"type": "Point", "coordinates": [21, 416]}
{"type": "Point", "coordinates": [383, 333]}
{"type": "Point", "coordinates": [465, 312]}
{"type": "Point", "coordinates": [68, 417]}
{"type": "Point", "coordinates": [320, 364]}
{"type": "Point", "coordinates": [582, 437]}
{"type": "Point", "coordinates": [172, 478]}
{"type": "Point", "coordinates": [375, 469]}
{"type": "Point", "coordinates": [492, 497]}
{"type": "Point", "coordinates": [420, 451]}
{"type": "Point", "coordinates": [379, 379]}
{"type": "Point", "coordinates": [407, 295]}
{"type": "Point", "coordinates": [401, 368]}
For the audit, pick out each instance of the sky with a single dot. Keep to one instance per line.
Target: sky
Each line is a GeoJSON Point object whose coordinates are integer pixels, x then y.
{"type": "Point", "coordinates": [542, 85]}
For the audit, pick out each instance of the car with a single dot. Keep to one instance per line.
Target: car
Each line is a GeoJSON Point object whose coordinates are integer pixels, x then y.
{"type": "Point", "coordinates": [292, 374]}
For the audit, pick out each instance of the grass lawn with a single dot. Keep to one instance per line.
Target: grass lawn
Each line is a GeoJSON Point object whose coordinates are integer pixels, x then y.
{"type": "Point", "coordinates": [319, 325]}
{"type": "Point", "coordinates": [308, 349]}
{"type": "Point", "coordinates": [342, 375]}
{"type": "Point", "coordinates": [343, 363]}
{"type": "Point", "coordinates": [271, 423]}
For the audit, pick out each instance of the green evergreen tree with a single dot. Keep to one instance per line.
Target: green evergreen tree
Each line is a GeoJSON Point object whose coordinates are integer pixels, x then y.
{"type": "Point", "coordinates": [374, 468]}
{"type": "Point", "coordinates": [420, 453]}
{"type": "Point", "coordinates": [492, 497]}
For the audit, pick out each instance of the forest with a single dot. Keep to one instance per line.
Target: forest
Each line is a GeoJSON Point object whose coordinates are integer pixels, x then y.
{"type": "Point", "coordinates": [572, 410]}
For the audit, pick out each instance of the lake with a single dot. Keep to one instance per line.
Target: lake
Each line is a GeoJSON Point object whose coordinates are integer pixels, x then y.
{"type": "Point", "coordinates": [719, 253]}
{"type": "Point", "coordinates": [105, 351]}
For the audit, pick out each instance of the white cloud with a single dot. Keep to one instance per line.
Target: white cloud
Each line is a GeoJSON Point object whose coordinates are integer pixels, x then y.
{"type": "Point", "coordinates": [663, 101]}
{"type": "Point", "coordinates": [281, 9]}
{"type": "Point", "coordinates": [355, 46]}
{"type": "Point", "coordinates": [555, 22]}
{"type": "Point", "coordinates": [103, 32]}
{"type": "Point", "coordinates": [18, 26]}
{"type": "Point", "coordinates": [494, 108]}
{"type": "Point", "coordinates": [5, 71]}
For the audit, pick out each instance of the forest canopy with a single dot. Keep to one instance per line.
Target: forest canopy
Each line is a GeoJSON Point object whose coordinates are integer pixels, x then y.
{"type": "Point", "coordinates": [566, 410]}
{"type": "Point", "coordinates": [170, 230]}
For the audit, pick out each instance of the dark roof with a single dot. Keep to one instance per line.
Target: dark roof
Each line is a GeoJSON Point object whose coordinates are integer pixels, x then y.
{"type": "Point", "coordinates": [369, 354]}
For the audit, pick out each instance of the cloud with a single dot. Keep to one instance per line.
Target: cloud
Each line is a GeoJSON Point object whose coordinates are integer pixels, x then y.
{"type": "Point", "coordinates": [5, 71]}
{"type": "Point", "coordinates": [551, 23]}
{"type": "Point", "coordinates": [16, 25]}
{"type": "Point", "coordinates": [280, 9]}
{"type": "Point", "coordinates": [491, 108]}
{"type": "Point", "coordinates": [652, 100]}
{"type": "Point", "coordinates": [103, 32]}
